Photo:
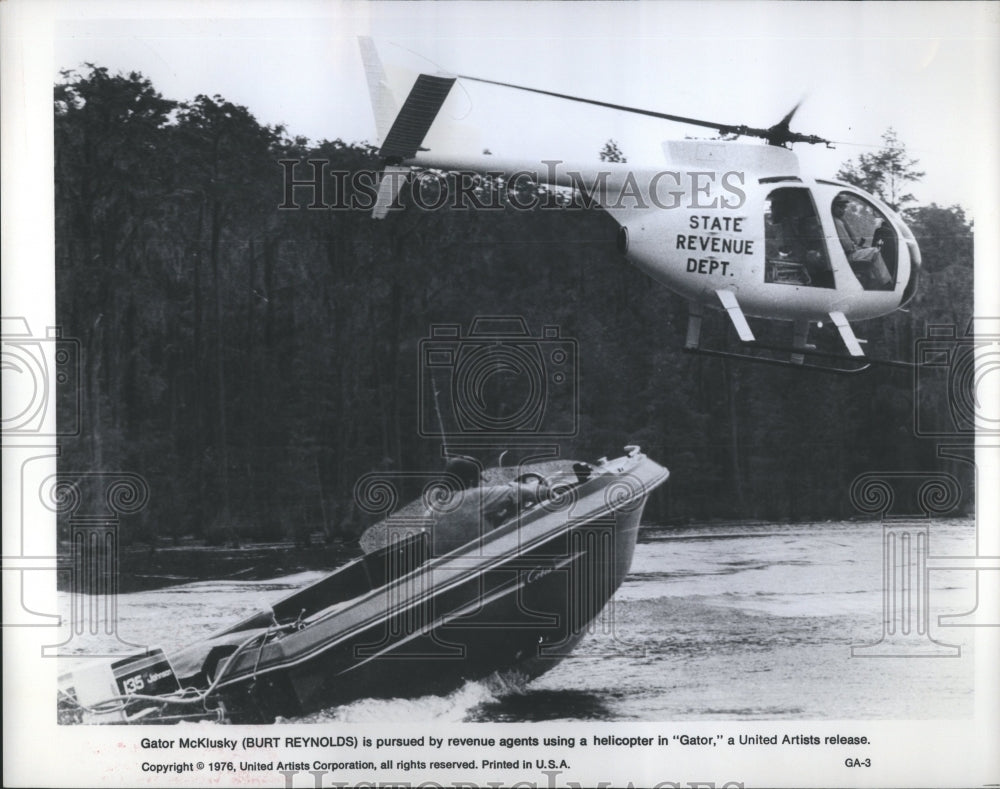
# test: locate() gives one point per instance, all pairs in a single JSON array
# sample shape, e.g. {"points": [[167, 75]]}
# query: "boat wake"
{"points": [[455, 707]]}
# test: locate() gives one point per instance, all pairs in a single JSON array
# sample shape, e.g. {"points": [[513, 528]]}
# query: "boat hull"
{"points": [[518, 619], [399, 622]]}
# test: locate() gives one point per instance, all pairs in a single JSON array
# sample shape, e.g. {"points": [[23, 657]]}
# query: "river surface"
{"points": [[752, 622]]}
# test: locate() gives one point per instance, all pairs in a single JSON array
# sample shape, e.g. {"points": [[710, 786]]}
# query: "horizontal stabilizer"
{"points": [[847, 334], [728, 299], [415, 118]]}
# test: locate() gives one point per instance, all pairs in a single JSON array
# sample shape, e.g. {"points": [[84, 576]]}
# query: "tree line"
{"points": [[253, 362]]}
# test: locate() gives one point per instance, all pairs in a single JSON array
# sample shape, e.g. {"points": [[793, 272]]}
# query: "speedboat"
{"points": [[399, 621]]}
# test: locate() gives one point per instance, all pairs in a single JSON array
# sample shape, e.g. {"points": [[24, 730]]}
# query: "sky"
{"points": [[930, 71]]}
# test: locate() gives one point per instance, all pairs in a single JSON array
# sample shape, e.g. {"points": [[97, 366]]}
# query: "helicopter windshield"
{"points": [[868, 240], [793, 238]]}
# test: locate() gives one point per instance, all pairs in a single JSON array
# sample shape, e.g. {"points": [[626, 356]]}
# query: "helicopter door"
{"points": [[868, 239], [793, 240]]}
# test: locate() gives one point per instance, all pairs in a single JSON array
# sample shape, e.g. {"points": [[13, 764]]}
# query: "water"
{"points": [[714, 622]]}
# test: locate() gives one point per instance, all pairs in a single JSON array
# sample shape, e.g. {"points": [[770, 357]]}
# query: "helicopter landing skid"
{"points": [[798, 363], [797, 355], [799, 358]]}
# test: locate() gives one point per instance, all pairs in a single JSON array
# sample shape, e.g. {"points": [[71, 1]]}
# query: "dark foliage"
{"points": [[252, 363]]}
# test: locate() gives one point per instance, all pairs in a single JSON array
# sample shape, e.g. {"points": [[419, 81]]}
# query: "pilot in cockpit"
{"points": [[866, 261]]}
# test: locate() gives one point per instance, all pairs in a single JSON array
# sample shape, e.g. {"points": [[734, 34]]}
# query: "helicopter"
{"points": [[755, 236]]}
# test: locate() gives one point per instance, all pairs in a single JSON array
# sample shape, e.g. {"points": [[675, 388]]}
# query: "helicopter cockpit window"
{"points": [[868, 240], [793, 239]]}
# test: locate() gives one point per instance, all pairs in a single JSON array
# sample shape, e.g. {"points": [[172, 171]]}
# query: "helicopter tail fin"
{"points": [[401, 130], [384, 104]]}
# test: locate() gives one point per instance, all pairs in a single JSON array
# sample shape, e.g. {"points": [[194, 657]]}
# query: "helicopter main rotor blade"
{"points": [[785, 122], [776, 135], [596, 103]]}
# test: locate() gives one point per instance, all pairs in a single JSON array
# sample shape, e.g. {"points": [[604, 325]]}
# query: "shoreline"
{"points": [[147, 568]]}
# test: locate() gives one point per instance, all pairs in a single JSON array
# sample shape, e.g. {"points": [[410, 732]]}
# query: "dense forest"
{"points": [[251, 362]]}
